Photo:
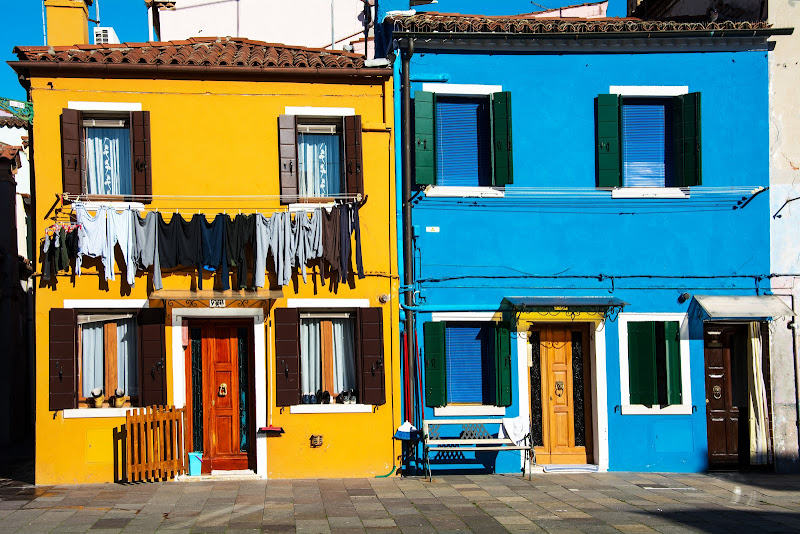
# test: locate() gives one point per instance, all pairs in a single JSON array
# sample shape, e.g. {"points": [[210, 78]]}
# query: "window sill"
{"points": [[461, 411], [94, 413], [331, 408], [436, 191], [650, 192], [92, 205], [640, 409]]}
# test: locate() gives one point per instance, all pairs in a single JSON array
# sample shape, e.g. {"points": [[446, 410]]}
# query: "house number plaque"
{"points": [[216, 303]]}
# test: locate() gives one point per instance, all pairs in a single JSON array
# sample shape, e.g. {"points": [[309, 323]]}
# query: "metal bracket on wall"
{"points": [[20, 110]]}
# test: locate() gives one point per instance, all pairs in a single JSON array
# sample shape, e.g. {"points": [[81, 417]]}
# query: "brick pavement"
{"points": [[563, 503]]}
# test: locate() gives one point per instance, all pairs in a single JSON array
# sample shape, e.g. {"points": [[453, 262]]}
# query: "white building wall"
{"points": [[785, 238], [13, 136], [300, 22]]}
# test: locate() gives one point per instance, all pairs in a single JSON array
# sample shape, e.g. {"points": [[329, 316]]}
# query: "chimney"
{"points": [[67, 22]]}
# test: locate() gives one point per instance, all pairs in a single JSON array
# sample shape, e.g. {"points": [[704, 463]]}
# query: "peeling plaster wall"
{"points": [[784, 66]]}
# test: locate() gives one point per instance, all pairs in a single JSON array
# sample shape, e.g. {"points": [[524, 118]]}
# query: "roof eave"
{"points": [[233, 72], [718, 34]]}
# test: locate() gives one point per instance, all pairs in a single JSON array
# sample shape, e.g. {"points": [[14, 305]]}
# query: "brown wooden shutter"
{"points": [[287, 356], [152, 357], [63, 358], [370, 348], [72, 150], [353, 155], [287, 146], [140, 155]]}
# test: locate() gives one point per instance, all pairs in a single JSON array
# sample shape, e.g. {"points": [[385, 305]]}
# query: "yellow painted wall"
{"points": [[67, 22], [221, 138]]}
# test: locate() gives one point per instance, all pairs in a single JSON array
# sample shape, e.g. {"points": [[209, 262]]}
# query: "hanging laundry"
{"points": [[263, 245], [47, 257], [282, 247], [330, 243], [146, 231], [306, 239], [241, 231], [125, 236], [214, 249], [96, 238], [349, 223], [179, 242]]}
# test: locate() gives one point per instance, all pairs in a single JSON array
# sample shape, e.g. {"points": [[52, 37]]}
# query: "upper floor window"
{"points": [[320, 157], [106, 153], [462, 139], [467, 363], [648, 141]]}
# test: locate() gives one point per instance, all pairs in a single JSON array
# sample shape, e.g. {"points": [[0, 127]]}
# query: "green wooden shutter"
{"points": [[435, 374], [609, 159], [672, 339], [503, 165], [424, 138], [686, 135], [502, 366], [642, 362]]}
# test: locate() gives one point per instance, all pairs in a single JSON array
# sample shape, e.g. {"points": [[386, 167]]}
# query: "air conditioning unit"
{"points": [[105, 35]]}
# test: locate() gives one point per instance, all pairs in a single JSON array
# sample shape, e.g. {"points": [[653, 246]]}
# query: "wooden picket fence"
{"points": [[156, 443]]}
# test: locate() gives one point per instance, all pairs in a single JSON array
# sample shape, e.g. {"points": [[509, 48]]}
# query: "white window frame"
{"points": [[685, 408], [652, 91], [333, 305], [102, 306], [103, 107], [449, 191], [466, 410]]}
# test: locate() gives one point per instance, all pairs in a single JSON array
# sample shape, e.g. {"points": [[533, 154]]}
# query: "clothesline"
{"points": [[150, 240], [298, 198]]}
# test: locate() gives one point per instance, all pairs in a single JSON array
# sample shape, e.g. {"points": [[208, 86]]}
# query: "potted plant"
{"points": [[119, 398]]}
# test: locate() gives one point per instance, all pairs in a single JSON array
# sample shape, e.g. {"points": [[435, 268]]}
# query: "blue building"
{"points": [[586, 235]]}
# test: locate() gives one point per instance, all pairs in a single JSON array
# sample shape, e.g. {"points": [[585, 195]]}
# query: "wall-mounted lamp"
{"points": [[683, 297]]}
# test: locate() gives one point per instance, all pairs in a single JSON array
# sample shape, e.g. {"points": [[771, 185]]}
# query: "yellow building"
{"points": [[298, 378]]}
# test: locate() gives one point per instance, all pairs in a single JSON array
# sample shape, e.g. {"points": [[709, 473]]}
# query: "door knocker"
{"points": [[559, 388], [717, 392], [223, 389]]}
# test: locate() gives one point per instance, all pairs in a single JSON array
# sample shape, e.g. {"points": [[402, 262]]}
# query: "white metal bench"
{"points": [[473, 436]]}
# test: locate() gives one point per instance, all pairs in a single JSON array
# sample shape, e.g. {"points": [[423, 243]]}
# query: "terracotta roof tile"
{"points": [[430, 22], [197, 51], [8, 151], [13, 122]]}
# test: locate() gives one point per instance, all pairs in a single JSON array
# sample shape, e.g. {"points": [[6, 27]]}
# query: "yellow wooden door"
{"points": [[561, 349]]}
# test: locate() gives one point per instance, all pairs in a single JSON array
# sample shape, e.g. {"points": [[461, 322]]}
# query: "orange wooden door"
{"points": [[562, 352], [221, 399]]}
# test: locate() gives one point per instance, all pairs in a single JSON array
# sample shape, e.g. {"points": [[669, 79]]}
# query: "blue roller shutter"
{"points": [[463, 141], [647, 143], [469, 347]]}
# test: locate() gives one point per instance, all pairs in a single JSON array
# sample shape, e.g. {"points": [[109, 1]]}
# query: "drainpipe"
{"points": [[408, 243]]}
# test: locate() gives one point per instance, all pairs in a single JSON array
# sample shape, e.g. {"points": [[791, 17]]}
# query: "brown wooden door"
{"points": [[563, 377], [726, 395], [223, 435]]}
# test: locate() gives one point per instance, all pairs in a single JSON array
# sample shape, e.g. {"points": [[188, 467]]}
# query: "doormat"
{"points": [[570, 468]]}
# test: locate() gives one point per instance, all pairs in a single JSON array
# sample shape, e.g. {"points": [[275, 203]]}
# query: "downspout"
{"points": [[408, 244]]}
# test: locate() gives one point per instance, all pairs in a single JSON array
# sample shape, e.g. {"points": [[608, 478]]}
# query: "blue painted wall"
{"points": [[487, 249]]}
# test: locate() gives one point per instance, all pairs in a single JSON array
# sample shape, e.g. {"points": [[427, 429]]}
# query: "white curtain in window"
{"points": [[320, 162], [310, 359], [92, 357], [127, 376], [344, 365], [759, 433], [108, 161]]}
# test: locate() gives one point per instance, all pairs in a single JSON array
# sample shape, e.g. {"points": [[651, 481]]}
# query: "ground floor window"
{"points": [[327, 358], [467, 363], [108, 356]]}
